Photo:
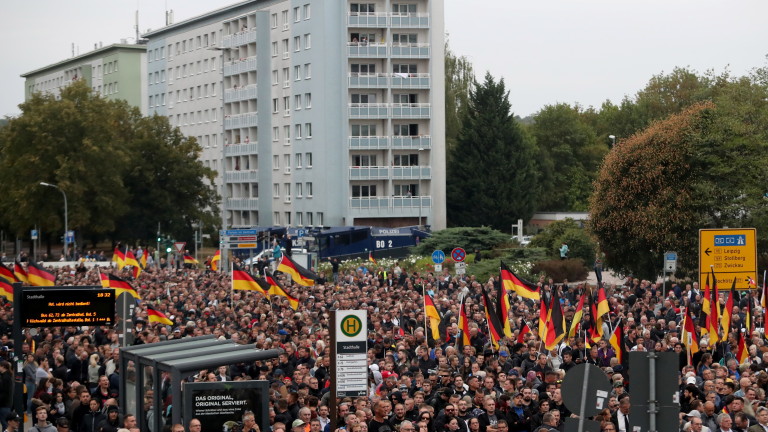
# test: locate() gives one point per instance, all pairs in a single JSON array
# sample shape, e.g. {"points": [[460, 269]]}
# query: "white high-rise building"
{"points": [[313, 112]]}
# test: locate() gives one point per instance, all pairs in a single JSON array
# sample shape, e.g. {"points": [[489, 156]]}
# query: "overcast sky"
{"points": [[548, 51]]}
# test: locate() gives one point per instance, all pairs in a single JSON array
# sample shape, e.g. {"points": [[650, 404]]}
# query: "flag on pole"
{"points": [[275, 289], [506, 287], [557, 320], [689, 336], [577, 316], [299, 274], [39, 276], [515, 284], [6, 289], [543, 319], [727, 314], [495, 330], [595, 332], [119, 257], [216, 260], [120, 286], [155, 316], [143, 259], [242, 281], [371, 258], [19, 272], [464, 323], [7, 274], [742, 351], [130, 260], [189, 259], [434, 316], [705, 309], [617, 342], [763, 301], [523, 331], [714, 316], [602, 308]]}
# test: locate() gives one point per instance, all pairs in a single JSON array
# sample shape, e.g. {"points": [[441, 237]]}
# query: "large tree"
{"points": [[106, 158], [570, 157], [491, 172], [459, 77]]}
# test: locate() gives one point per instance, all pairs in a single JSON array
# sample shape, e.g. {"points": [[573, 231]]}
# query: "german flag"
{"points": [[216, 260], [7, 274], [241, 280], [299, 274], [130, 260], [706, 309], [689, 336], [763, 299], [515, 284], [602, 308], [38, 276], [595, 332], [155, 316], [143, 259], [434, 316], [371, 258], [742, 351], [189, 259], [495, 329], [120, 286], [617, 342], [556, 322], [506, 287], [6, 289], [19, 272], [714, 316], [464, 323], [275, 289], [543, 318], [726, 316], [577, 316], [523, 331], [119, 257]]}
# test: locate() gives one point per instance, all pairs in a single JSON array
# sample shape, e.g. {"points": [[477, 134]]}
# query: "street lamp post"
{"points": [[66, 220], [613, 140]]}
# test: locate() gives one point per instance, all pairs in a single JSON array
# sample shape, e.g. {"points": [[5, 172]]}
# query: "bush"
{"points": [[580, 244], [469, 238], [559, 270]]}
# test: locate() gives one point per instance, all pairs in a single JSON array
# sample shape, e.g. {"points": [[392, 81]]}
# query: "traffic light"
{"points": [[168, 249], [159, 239]]}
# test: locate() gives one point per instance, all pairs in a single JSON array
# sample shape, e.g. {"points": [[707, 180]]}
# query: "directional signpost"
{"points": [[240, 238], [731, 252]]}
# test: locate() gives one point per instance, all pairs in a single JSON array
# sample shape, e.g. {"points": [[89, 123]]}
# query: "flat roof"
{"points": [[221, 11], [100, 52]]}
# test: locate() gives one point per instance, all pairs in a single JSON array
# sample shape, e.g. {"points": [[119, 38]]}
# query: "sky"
{"points": [[547, 51]]}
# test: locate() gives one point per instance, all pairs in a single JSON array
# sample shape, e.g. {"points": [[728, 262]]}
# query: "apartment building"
{"points": [[313, 112], [115, 71]]}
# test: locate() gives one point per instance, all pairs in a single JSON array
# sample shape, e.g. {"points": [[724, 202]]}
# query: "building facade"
{"points": [[314, 113], [115, 71]]}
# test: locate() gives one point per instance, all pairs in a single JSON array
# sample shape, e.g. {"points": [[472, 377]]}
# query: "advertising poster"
{"points": [[220, 405]]}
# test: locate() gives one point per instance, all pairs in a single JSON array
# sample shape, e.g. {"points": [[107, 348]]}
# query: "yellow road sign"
{"points": [[732, 253]]}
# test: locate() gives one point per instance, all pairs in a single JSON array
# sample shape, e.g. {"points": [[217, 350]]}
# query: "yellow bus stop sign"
{"points": [[732, 253]]}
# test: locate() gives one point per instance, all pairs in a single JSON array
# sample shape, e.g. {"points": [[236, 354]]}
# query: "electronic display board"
{"points": [[65, 306]]}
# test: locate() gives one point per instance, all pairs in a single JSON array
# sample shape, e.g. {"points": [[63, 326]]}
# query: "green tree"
{"points": [[570, 157], [77, 141], [580, 244], [168, 183], [491, 179], [459, 78]]}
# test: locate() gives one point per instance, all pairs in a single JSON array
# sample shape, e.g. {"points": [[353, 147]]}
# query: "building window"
{"points": [[308, 160], [307, 41], [299, 220], [308, 130], [309, 189], [274, 106], [404, 68], [276, 162], [298, 190], [274, 49], [297, 135], [277, 218], [307, 11], [363, 69], [275, 133], [288, 214], [274, 20], [297, 102], [362, 8], [287, 133], [406, 160], [307, 71], [275, 190], [297, 43], [308, 100], [406, 129], [296, 14], [364, 160], [403, 9], [297, 158], [297, 73], [406, 190], [309, 218], [363, 191], [363, 130], [404, 38]]}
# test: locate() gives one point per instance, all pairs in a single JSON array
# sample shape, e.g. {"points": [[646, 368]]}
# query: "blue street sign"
{"points": [[438, 257], [301, 233], [671, 256], [33, 234], [70, 236]]}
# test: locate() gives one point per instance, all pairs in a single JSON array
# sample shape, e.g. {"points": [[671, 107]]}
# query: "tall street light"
{"points": [[66, 220], [613, 140]]}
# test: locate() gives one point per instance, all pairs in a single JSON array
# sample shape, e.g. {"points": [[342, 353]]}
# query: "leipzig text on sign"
{"points": [[731, 252], [351, 353], [64, 306]]}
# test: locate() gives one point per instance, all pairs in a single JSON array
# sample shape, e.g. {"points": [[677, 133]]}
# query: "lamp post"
{"points": [[66, 220], [613, 140]]}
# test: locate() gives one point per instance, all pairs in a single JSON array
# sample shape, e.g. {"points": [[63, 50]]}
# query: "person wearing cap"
{"points": [[12, 421]]}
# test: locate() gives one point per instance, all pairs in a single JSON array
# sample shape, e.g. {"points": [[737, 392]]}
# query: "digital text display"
{"points": [[63, 306]]}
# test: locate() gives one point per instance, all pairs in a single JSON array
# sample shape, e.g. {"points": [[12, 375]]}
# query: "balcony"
{"points": [[412, 142], [238, 121], [241, 149], [411, 81], [248, 176], [368, 19], [240, 66], [411, 50], [392, 206], [370, 203], [242, 203], [411, 172], [239, 38], [368, 142], [411, 110], [366, 49], [369, 173], [240, 94], [409, 20], [357, 80], [365, 111]]}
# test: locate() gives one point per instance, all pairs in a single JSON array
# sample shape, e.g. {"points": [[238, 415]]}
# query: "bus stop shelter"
{"points": [[141, 367]]}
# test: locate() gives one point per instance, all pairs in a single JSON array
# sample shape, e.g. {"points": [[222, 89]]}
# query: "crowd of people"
{"points": [[71, 374]]}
